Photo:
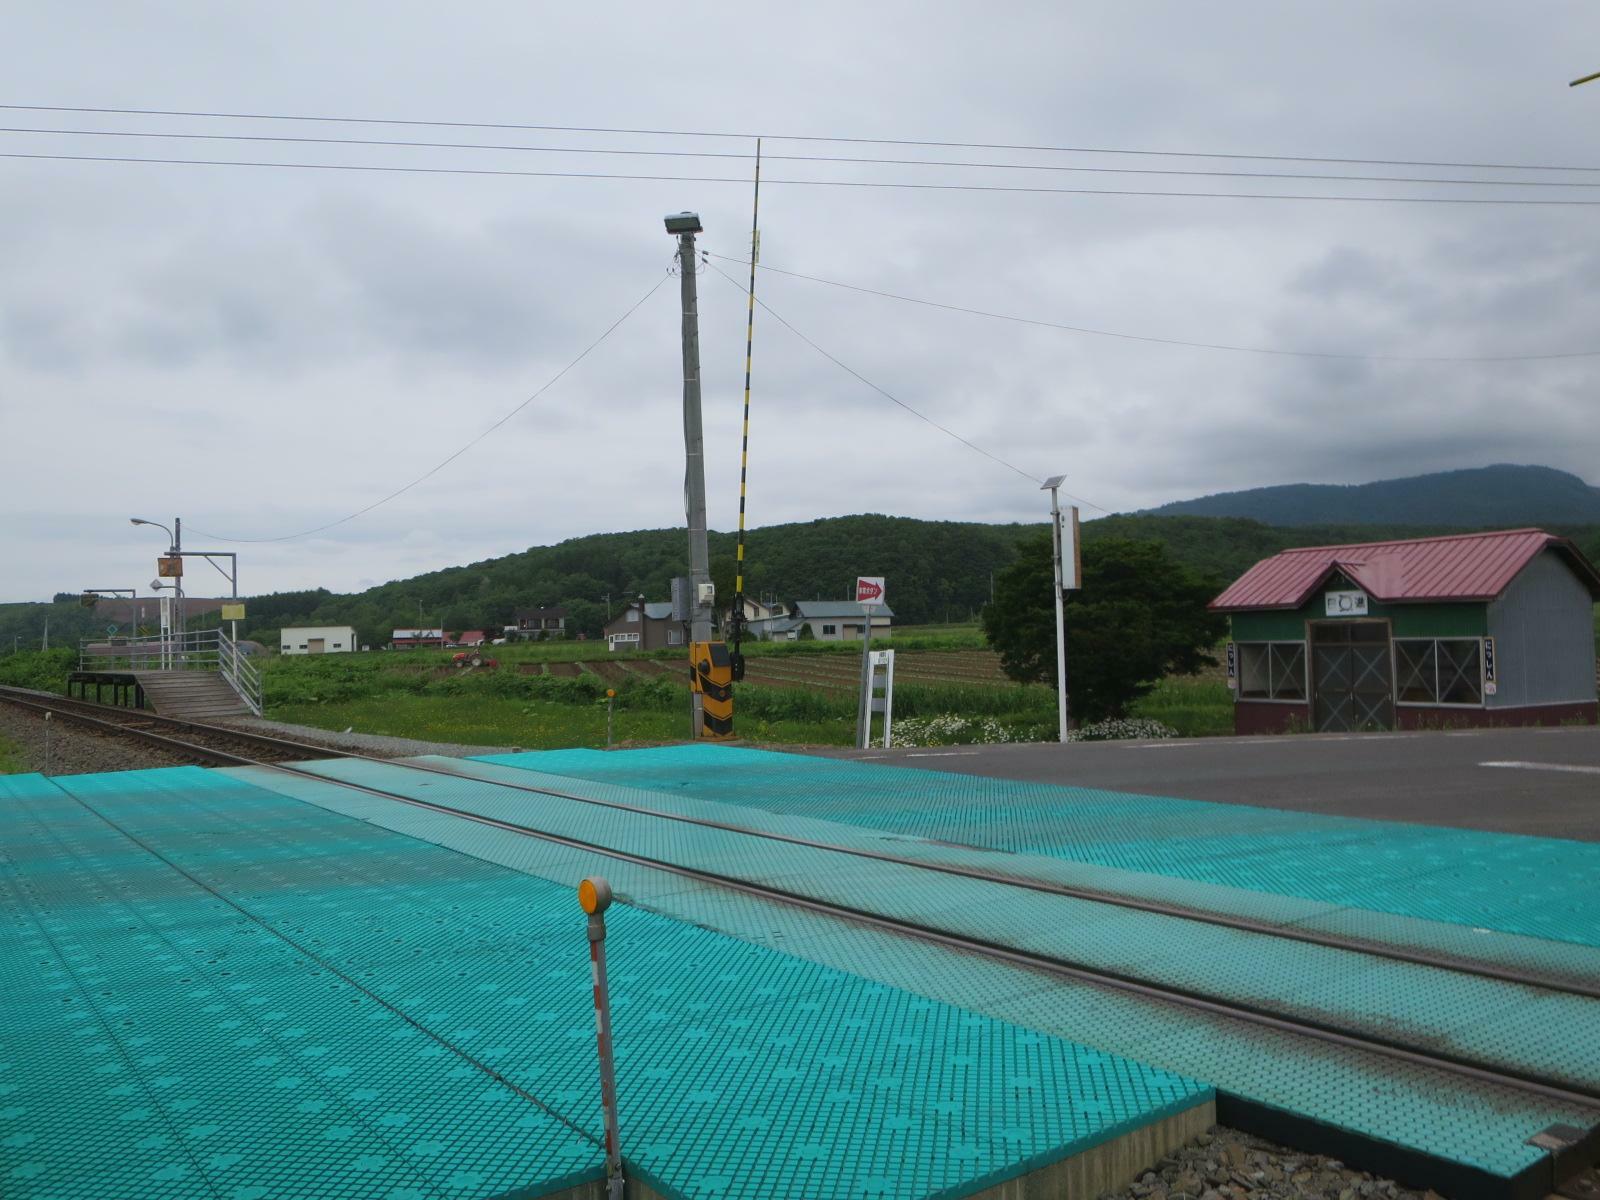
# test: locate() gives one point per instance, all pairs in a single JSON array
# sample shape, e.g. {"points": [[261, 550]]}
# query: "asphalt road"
{"points": [[1535, 781]]}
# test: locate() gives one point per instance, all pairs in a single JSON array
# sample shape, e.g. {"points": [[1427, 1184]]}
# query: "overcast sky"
{"points": [[261, 351]]}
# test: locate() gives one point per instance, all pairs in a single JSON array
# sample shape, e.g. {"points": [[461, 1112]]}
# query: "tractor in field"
{"points": [[473, 660]]}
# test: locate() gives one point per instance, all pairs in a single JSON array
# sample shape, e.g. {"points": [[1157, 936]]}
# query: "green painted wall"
{"points": [[1408, 620]]}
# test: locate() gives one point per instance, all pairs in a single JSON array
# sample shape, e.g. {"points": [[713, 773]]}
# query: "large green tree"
{"points": [[1139, 616]]}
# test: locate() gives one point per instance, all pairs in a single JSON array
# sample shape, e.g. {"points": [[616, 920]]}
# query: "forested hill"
{"points": [[1502, 495], [936, 570]]}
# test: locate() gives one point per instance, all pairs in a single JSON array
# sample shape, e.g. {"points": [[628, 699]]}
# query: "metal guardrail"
{"points": [[193, 650]]}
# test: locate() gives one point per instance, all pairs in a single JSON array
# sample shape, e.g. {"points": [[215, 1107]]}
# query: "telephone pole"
{"points": [[684, 226]]}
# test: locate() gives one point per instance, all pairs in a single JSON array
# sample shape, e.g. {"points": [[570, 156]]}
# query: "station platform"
{"points": [[251, 985]]}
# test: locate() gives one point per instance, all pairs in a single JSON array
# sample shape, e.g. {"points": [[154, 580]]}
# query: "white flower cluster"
{"points": [[947, 729], [1120, 728]]}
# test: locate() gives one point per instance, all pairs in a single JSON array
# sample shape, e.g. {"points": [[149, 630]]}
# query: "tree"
{"points": [[1140, 615]]}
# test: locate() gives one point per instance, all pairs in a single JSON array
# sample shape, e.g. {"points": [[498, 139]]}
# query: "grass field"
{"points": [[552, 694], [1194, 707], [11, 761]]}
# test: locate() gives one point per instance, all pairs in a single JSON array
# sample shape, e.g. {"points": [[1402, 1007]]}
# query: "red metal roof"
{"points": [[1466, 567]]}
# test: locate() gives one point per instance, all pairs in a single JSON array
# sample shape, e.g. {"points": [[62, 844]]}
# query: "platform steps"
{"points": [[191, 695]]}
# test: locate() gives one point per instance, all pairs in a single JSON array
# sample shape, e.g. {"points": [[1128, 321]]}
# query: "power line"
{"points": [[403, 143], [887, 395], [550, 383], [1138, 337], [751, 135], [835, 183]]}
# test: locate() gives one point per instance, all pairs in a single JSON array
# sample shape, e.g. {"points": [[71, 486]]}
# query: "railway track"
{"points": [[214, 745], [207, 743], [1530, 1082]]}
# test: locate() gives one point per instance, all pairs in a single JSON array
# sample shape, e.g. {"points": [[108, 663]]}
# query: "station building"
{"points": [[1475, 629]]}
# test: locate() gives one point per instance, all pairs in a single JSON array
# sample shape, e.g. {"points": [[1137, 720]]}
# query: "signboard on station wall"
{"points": [[1491, 683], [869, 589], [1345, 604], [169, 566]]}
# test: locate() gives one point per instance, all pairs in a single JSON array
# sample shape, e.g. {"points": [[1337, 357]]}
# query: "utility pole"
{"points": [[710, 664], [177, 583]]}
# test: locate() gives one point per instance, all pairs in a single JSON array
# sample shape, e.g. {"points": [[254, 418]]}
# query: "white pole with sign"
{"points": [[1068, 575], [869, 594]]}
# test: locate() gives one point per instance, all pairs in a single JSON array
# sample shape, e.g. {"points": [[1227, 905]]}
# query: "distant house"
{"points": [[840, 620], [754, 611], [317, 639], [644, 626], [782, 627], [536, 623], [472, 637], [412, 639]]}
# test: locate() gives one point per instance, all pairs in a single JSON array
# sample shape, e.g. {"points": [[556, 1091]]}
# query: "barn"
{"points": [[1474, 629]]}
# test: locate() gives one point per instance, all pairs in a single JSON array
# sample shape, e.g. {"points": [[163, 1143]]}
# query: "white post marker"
{"points": [[1068, 574], [594, 896], [47, 717], [869, 594]]}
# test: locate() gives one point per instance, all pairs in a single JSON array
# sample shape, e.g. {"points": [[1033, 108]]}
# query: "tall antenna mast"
{"points": [[744, 445]]}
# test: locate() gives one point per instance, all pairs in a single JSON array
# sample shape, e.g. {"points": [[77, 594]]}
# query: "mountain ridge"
{"points": [[1502, 494]]}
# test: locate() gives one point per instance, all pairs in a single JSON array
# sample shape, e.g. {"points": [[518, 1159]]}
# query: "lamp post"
{"points": [[175, 542]]}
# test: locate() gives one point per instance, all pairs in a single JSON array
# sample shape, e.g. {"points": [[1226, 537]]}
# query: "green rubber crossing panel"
{"points": [[1489, 1022], [1411, 1108], [1562, 963], [1534, 887], [294, 1003]]}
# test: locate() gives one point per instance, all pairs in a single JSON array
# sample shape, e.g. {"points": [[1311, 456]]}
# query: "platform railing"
{"points": [[192, 650]]}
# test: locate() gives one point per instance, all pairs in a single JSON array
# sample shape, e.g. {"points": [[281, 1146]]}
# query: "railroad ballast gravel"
{"points": [[75, 750], [1224, 1164]]}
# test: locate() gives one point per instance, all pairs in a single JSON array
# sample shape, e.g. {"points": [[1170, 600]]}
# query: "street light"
{"points": [[157, 524], [175, 541]]}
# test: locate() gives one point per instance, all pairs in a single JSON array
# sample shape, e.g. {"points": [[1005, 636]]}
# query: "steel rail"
{"points": [[89, 714], [1584, 1098], [1442, 961]]}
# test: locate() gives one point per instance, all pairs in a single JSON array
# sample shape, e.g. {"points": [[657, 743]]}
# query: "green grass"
{"points": [[11, 760], [540, 725], [1194, 707]]}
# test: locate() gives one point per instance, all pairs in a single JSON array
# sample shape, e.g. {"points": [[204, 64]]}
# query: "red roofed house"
{"points": [[1475, 629]]}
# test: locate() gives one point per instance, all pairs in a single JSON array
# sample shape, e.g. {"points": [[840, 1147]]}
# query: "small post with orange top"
{"points": [[611, 701], [594, 895]]}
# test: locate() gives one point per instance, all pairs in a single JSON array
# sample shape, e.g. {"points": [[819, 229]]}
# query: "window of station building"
{"points": [[1272, 671], [1438, 670]]}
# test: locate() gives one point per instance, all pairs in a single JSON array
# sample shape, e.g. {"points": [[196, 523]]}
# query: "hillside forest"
{"points": [[937, 572]]}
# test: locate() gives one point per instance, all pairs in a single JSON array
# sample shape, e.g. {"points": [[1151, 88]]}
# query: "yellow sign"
{"points": [[169, 566], [233, 612]]}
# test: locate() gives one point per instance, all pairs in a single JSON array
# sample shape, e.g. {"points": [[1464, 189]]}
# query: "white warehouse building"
{"points": [[318, 639]]}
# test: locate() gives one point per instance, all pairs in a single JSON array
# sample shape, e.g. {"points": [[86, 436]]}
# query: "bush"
{"points": [[1120, 728], [41, 670], [948, 729]]}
